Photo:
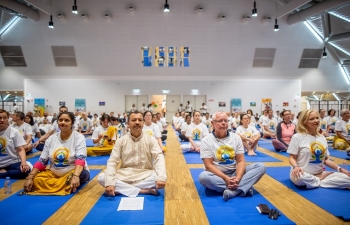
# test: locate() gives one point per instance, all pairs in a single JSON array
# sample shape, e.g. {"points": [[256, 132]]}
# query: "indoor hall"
{"points": [[113, 54]]}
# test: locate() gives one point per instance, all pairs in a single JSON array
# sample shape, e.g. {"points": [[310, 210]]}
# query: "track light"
{"points": [[75, 7], [324, 54], [254, 10], [166, 6], [51, 22], [276, 26]]}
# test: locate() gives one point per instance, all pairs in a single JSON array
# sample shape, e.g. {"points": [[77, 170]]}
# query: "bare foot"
{"points": [[3, 171], [151, 191], [325, 174], [251, 153]]}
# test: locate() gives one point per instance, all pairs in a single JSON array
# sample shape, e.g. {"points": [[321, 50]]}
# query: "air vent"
{"points": [[64, 56], [13, 56], [310, 58], [264, 57]]}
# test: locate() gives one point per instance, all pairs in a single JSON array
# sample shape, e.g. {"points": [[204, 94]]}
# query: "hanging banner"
{"points": [[39, 106], [80, 105], [236, 105]]}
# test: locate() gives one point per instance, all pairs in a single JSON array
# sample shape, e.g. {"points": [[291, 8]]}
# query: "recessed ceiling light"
{"points": [[194, 91], [136, 90], [166, 91]]}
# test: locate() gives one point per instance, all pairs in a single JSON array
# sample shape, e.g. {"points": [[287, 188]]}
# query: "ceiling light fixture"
{"points": [[254, 10], [166, 6], [276, 27], [51, 22], [324, 54], [136, 90], [75, 7], [316, 97], [194, 91], [6, 97], [165, 91]]}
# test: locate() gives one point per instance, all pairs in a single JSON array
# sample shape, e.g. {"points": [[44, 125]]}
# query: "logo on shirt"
{"points": [[317, 151], [333, 122], [3, 145], [84, 126], [323, 125], [247, 134], [149, 132], [348, 128], [225, 154], [272, 125], [61, 155], [196, 133]]}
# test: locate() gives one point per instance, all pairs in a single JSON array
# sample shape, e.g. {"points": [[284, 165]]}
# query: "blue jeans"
{"points": [[252, 175], [14, 172]]}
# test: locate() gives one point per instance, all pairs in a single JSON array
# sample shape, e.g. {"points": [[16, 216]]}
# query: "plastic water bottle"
{"points": [[7, 186]]}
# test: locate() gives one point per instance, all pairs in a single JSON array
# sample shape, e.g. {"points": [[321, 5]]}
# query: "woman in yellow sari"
{"points": [[66, 151]]}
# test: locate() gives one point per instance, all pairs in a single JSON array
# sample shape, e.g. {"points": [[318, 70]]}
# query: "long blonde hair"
{"points": [[304, 116]]}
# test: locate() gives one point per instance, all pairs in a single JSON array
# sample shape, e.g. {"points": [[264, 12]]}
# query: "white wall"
{"points": [[113, 92]]}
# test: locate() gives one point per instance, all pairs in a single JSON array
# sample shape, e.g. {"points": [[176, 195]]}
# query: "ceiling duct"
{"points": [[21, 8], [311, 11]]}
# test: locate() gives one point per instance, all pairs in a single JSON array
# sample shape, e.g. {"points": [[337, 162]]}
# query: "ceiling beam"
{"points": [[290, 7], [44, 6], [339, 36]]}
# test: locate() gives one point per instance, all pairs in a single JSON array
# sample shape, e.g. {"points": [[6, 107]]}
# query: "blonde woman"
{"points": [[308, 151]]}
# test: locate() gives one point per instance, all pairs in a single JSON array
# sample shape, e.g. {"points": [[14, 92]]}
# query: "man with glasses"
{"points": [[223, 155]]}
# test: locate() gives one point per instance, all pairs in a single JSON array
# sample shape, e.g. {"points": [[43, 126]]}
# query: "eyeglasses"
{"points": [[221, 121]]}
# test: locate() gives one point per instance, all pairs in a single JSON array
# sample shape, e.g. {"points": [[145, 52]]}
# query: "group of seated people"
{"points": [[142, 162]]}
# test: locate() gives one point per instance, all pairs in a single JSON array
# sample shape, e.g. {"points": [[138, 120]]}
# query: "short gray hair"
{"points": [[342, 112], [218, 112]]}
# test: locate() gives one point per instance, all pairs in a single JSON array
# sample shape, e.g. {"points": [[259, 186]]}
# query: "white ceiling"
{"points": [[219, 49]]}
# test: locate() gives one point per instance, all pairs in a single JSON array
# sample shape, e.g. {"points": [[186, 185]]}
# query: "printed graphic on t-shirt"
{"points": [[333, 122], [272, 126], [247, 134], [3, 145], [149, 132], [61, 155], [225, 154], [84, 126], [196, 133], [323, 125], [348, 128], [317, 151]]}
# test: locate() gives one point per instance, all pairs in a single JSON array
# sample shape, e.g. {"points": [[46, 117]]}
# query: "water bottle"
{"points": [[7, 186]]}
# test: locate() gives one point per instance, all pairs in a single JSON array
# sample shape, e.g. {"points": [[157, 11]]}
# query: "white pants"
{"points": [[189, 147], [334, 180], [130, 190]]}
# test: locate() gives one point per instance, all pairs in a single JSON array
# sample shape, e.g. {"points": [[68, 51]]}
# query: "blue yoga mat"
{"points": [[105, 211], [34, 159], [338, 153], [193, 158], [335, 201], [89, 143], [269, 146], [239, 210], [38, 208], [97, 160]]}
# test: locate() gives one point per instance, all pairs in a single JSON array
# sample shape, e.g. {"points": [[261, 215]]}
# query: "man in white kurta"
{"points": [[142, 169]]}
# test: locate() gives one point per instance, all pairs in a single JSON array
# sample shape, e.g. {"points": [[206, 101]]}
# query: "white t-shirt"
{"points": [[152, 130], [189, 108], [261, 118], [323, 123], [184, 127], [55, 127], [49, 118], [343, 127], [143, 109], [101, 130], [235, 121], [204, 109], [10, 139], [180, 109], [247, 132], [206, 122], [45, 127], [180, 121], [37, 120], [197, 132], [270, 123], [331, 121], [311, 152], [62, 154], [163, 121], [35, 129], [15, 108], [85, 124], [159, 124], [25, 129], [223, 151]]}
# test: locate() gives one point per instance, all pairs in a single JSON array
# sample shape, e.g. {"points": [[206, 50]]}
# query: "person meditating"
{"points": [[223, 155], [12, 154], [342, 128], [66, 151], [249, 135], [308, 151], [285, 131], [142, 166]]}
